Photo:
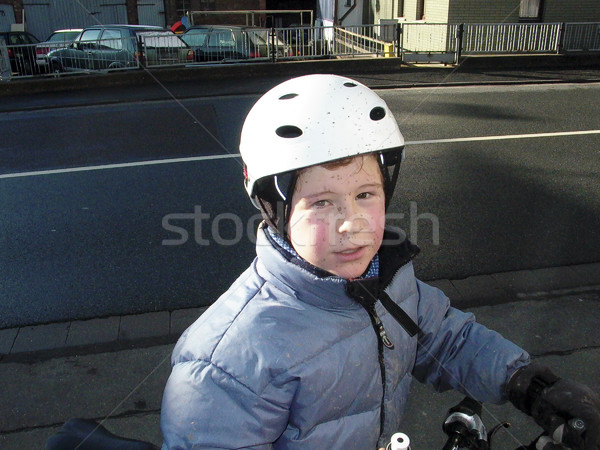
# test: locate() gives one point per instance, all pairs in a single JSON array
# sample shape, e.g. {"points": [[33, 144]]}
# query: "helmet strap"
{"points": [[390, 161], [275, 201]]}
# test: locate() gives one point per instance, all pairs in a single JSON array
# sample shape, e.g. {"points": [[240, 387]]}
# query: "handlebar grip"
{"points": [[467, 406], [464, 426]]}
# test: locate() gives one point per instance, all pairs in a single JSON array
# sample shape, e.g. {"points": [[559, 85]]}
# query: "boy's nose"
{"points": [[351, 223], [347, 226]]}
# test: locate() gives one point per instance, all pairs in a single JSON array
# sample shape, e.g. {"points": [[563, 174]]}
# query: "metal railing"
{"points": [[516, 38], [17, 60], [412, 42], [427, 42], [306, 42], [356, 41], [232, 44], [147, 49], [581, 37]]}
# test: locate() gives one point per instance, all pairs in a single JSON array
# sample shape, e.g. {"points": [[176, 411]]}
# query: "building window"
{"points": [[530, 11], [420, 10]]}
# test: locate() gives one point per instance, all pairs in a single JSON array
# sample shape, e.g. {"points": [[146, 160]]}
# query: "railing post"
{"points": [[459, 41], [5, 70], [561, 38], [400, 41], [273, 48]]}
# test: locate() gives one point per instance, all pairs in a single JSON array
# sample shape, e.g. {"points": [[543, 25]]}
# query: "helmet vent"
{"points": [[349, 84], [288, 96], [288, 131], [377, 113]]}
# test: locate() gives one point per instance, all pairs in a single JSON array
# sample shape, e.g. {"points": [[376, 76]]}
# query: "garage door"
{"points": [[42, 17], [151, 12], [7, 17]]}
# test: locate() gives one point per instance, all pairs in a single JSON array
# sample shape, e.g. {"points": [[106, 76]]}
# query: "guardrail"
{"points": [[516, 38], [147, 49], [411, 42], [581, 37], [17, 60], [306, 42], [427, 42], [364, 40]]}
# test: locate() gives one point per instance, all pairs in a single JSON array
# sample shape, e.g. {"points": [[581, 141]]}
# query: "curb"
{"points": [[507, 287], [249, 70], [115, 333]]}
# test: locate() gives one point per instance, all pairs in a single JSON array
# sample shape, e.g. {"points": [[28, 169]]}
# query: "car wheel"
{"points": [[115, 65], [56, 67]]}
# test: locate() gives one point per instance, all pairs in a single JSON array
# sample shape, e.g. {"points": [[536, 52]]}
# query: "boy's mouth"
{"points": [[351, 254]]}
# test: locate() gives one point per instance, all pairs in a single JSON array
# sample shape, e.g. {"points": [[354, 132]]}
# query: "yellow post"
{"points": [[388, 50]]}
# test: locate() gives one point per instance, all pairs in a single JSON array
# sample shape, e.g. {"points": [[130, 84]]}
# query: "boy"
{"points": [[316, 343]]}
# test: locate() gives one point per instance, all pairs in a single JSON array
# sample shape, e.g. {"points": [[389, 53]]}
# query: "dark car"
{"points": [[121, 46], [21, 51], [223, 42]]}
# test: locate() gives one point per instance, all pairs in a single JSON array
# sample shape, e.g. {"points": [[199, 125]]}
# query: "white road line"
{"points": [[119, 166], [237, 155], [497, 138]]}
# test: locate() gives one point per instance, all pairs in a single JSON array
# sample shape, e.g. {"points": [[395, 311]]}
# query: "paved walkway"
{"points": [[164, 327]]}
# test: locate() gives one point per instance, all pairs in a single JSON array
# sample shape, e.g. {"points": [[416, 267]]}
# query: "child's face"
{"points": [[338, 216]]}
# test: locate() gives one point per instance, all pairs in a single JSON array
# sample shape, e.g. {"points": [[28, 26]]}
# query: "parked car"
{"points": [[121, 46], [21, 51], [58, 39], [223, 42]]}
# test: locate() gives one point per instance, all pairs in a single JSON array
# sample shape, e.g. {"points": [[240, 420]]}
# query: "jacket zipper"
{"points": [[382, 340]]}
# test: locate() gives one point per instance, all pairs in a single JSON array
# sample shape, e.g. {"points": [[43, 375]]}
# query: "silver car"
{"points": [[58, 39], [107, 47]]}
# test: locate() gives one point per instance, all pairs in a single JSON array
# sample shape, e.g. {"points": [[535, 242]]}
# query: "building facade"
{"points": [[41, 18], [477, 11]]}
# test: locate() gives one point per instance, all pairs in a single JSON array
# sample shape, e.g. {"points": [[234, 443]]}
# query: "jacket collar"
{"points": [[320, 288]]}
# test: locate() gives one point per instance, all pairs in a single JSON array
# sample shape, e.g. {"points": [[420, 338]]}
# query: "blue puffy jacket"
{"points": [[286, 359]]}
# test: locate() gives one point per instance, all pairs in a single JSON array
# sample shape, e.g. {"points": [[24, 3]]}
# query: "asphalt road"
{"points": [[134, 236]]}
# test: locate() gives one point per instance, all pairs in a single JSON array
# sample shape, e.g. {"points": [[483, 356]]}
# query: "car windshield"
{"points": [[262, 37], [222, 38], [161, 39], [21, 38], [196, 37], [66, 36]]}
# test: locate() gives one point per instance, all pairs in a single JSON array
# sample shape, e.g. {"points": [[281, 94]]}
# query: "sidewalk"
{"points": [[116, 367], [254, 79]]}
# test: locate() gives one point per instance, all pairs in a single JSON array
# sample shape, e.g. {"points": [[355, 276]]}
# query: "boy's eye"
{"points": [[364, 195], [320, 203]]}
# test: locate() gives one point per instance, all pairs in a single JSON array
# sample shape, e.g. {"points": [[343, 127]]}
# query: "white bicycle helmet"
{"points": [[310, 120]]}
